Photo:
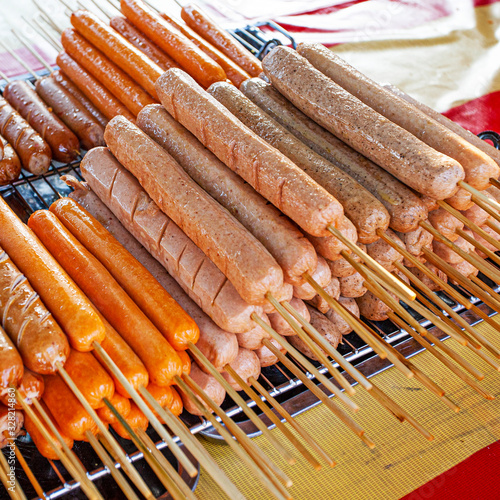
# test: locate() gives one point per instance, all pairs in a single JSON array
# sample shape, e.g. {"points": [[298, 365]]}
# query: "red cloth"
{"points": [[476, 478]]}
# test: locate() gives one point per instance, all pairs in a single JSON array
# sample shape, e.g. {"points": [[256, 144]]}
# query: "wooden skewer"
{"points": [[493, 226], [115, 473], [32, 50], [283, 310], [17, 490], [386, 276], [47, 17], [479, 246], [19, 60], [351, 424], [106, 14], [14, 494], [40, 29], [115, 6], [162, 475], [481, 284], [475, 192], [273, 418], [267, 466], [203, 361], [486, 208]]}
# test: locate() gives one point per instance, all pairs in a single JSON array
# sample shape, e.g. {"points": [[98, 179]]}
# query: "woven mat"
{"points": [[402, 460]]}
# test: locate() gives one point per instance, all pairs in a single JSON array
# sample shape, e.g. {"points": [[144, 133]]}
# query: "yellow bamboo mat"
{"points": [[402, 460]]}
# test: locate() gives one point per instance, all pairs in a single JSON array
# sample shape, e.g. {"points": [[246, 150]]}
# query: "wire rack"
{"points": [[31, 192]]}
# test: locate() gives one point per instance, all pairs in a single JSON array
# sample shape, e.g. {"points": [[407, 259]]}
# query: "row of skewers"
{"points": [[243, 267]]}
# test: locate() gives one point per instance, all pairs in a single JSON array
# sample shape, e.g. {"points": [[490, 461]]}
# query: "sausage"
{"points": [[382, 141], [196, 273], [198, 21], [30, 388], [373, 308], [162, 395], [404, 207], [90, 377], [450, 256], [185, 361], [429, 203], [121, 405], [330, 248], [353, 286], [142, 42], [85, 103], [2, 144], [11, 372], [11, 424], [293, 252], [271, 174], [445, 223], [69, 306], [476, 214], [131, 60], [23, 98], [10, 165], [31, 327], [360, 206], [110, 299], [33, 151], [266, 356], [466, 269], [42, 445], [494, 191], [102, 98], [477, 165], [487, 244], [385, 254], [341, 268], [414, 241], [209, 384], [177, 406], [322, 275], [281, 325], [234, 73], [461, 200], [252, 339], [68, 109], [135, 419], [340, 324], [453, 126], [125, 358], [103, 70], [246, 365], [241, 257], [68, 412], [164, 312], [182, 50], [332, 289], [426, 280]]}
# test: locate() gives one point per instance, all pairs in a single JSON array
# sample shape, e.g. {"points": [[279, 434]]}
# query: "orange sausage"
{"points": [[176, 407], [136, 419], [121, 404], [31, 387], [102, 98], [41, 443], [68, 412], [90, 377], [164, 396], [69, 306], [131, 60], [235, 74], [11, 364], [111, 300], [103, 70], [186, 362], [221, 39], [156, 303], [184, 52]]}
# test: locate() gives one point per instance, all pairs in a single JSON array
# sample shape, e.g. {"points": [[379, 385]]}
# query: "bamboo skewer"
{"points": [[263, 463], [487, 289], [493, 226], [273, 418], [19, 60], [4, 466], [6, 482], [475, 192], [44, 33], [32, 51], [479, 246], [47, 17], [493, 213]]}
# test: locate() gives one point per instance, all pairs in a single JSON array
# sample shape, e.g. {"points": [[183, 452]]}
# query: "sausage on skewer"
{"points": [[10, 165]]}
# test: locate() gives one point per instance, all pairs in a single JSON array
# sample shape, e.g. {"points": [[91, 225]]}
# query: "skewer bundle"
{"points": [[282, 201]]}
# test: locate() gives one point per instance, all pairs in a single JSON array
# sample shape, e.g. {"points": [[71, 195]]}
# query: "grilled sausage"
{"points": [[39, 339], [341, 268], [281, 325], [31, 387], [330, 248], [11, 424], [246, 365], [266, 356], [372, 308], [450, 256], [241, 257], [197, 274], [23, 98], [478, 166], [414, 242], [404, 207], [164, 396], [384, 254], [69, 110], [445, 223], [252, 339], [322, 276], [352, 286], [360, 206], [12, 369], [121, 405], [10, 165], [466, 269], [426, 280], [135, 419], [332, 289], [487, 244], [266, 169], [33, 151], [293, 252], [177, 406], [476, 214], [340, 324], [461, 200]]}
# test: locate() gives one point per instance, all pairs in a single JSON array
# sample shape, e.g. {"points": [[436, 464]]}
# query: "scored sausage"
{"points": [[332, 289], [69, 306], [30, 387], [281, 325], [165, 313], [241, 257], [33, 151], [478, 166], [269, 172], [246, 365], [404, 207], [322, 275], [293, 252], [10, 165], [191, 268], [360, 206], [340, 324], [121, 405], [23, 98]]}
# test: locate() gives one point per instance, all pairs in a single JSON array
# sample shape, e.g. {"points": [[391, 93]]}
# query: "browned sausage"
{"points": [[476, 214], [164, 396], [372, 308], [340, 324], [281, 325], [466, 269], [426, 280], [322, 276], [450, 256], [487, 244], [384, 254], [445, 223], [341, 268], [10, 165], [332, 289], [246, 365], [414, 242], [31, 387], [352, 286], [176, 406], [461, 200], [12, 369]]}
